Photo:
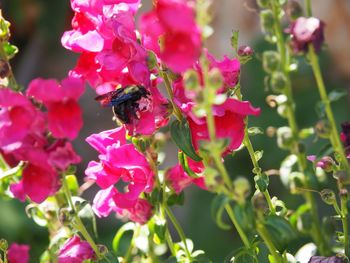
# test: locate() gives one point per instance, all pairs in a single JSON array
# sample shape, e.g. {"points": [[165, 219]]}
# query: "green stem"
{"points": [[344, 220], [266, 237], [170, 242], [308, 7], [257, 169], [179, 230], [240, 231], [335, 138], [12, 83], [78, 223], [284, 65]]}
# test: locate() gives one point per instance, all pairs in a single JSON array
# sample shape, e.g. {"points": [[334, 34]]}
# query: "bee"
{"points": [[126, 102]]}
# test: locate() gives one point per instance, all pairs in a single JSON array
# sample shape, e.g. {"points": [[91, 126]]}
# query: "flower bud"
{"points": [[328, 196], [3, 244], [343, 193], [323, 129], [259, 202], [326, 163], [191, 80], [245, 51], [293, 10], [263, 3], [267, 21], [271, 60], [241, 189], [341, 176], [278, 82], [4, 69], [215, 79], [284, 137]]}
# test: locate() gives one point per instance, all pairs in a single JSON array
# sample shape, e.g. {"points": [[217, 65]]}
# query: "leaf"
{"points": [[258, 155], [86, 214], [176, 199], [184, 164], [261, 182], [181, 135], [326, 149], [241, 255], [305, 133], [337, 94], [10, 50], [320, 109], [252, 131], [245, 216], [130, 226], [217, 209], [234, 39], [280, 231]]}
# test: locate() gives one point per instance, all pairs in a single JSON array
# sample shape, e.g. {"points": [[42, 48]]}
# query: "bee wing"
{"points": [[107, 99]]}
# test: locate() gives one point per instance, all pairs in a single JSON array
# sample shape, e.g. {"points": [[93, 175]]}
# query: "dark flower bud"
{"points": [[328, 196], [271, 60], [278, 81], [343, 193], [305, 31], [323, 129], [266, 21], [293, 10], [245, 51], [259, 202], [326, 163], [341, 176], [333, 259], [345, 136], [4, 69]]}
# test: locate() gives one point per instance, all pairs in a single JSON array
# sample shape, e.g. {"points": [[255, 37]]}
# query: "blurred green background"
{"points": [[37, 26]]}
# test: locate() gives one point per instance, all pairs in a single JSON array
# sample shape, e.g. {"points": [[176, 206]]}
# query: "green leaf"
{"points": [[245, 216], [280, 231], [217, 209], [261, 182], [184, 163], [241, 255], [160, 229], [130, 226], [86, 214], [320, 109], [337, 94], [234, 39], [181, 135], [258, 155], [252, 131], [176, 199]]}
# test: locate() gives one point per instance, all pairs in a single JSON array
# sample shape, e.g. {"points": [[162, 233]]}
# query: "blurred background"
{"points": [[37, 26]]}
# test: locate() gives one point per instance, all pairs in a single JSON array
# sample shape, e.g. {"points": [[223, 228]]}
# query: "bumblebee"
{"points": [[126, 102]]}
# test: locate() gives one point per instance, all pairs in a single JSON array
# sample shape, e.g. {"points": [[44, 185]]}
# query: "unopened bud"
{"points": [[191, 80], [271, 60], [215, 79], [245, 51], [278, 82], [267, 21], [3, 244], [293, 10], [259, 202], [284, 137], [343, 193], [341, 176], [328, 196], [326, 163], [241, 188], [323, 129], [263, 3]]}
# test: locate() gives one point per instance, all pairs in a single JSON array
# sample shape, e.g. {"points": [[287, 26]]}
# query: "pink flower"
{"points": [[61, 101], [229, 68], [75, 251], [38, 182], [18, 253], [120, 163], [18, 120], [62, 154], [306, 31], [174, 21], [141, 212], [178, 179], [229, 118]]}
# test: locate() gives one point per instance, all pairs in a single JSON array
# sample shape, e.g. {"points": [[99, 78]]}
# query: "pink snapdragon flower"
{"points": [[75, 251], [18, 253], [61, 100], [173, 21], [120, 163], [305, 31], [229, 118], [178, 179]]}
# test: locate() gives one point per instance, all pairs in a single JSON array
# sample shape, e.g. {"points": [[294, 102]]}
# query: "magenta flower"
{"points": [[18, 253], [229, 118], [229, 68], [38, 182], [18, 120], [305, 31], [120, 164], [345, 137], [141, 212], [178, 179], [61, 101], [174, 22], [75, 251], [62, 154]]}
